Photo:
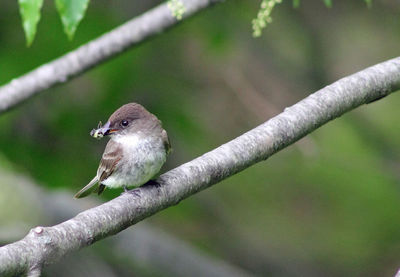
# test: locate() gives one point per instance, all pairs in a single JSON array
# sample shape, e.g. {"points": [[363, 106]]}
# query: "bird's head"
{"points": [[129, 118]]}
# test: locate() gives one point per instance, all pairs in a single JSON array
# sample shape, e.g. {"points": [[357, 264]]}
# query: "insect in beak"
{"points": [[102, 131]]}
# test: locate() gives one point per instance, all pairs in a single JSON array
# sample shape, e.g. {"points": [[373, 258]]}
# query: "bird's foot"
{"points": [[135, 192]]}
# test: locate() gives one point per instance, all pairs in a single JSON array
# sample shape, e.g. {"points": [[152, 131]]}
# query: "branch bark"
{"points": [[97, 51], [44, 245]]}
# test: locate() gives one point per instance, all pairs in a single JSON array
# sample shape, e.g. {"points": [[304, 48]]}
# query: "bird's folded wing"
{"points": [[112, 155]]}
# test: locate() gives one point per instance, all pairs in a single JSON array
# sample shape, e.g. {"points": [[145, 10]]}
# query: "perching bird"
{"points": [[135, 153]]}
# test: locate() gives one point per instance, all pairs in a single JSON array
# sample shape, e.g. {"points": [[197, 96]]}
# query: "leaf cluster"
{"points": [[264, 14], [71, 13]]}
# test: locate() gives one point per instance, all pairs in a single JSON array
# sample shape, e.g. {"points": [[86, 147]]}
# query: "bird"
{"points": [[137, 149]]}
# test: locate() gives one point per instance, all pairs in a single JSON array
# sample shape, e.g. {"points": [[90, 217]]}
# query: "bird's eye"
{"points": [[124, 123]]}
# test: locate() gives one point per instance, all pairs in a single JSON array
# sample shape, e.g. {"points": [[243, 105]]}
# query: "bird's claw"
{"points": [[135, 192]]}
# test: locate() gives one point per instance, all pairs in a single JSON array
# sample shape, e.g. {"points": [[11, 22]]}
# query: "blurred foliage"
{"points": [[326, 206], [328, 3]]}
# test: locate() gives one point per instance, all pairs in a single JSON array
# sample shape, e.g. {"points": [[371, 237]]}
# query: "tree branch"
{"points": [[143, 245], [44, 245], [99, 50]]}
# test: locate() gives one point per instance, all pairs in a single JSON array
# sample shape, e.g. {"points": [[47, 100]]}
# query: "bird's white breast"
{"points": [[143, 157]]}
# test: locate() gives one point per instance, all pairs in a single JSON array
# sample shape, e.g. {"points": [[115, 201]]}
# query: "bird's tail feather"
{"points": [[87, 189]]}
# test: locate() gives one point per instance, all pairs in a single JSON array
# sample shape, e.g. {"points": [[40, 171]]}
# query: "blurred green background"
{"points": [[326, 206]]}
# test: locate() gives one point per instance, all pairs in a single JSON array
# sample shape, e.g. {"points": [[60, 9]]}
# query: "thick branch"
{"points": [[44, 245], [99, 50], [144, 245]]}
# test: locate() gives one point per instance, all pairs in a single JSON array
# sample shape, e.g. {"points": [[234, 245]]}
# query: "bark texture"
{"points": [[99, 50], [44, 245]]}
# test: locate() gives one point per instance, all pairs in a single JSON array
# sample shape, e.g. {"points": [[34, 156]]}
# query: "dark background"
{"points": [[325, 206]]}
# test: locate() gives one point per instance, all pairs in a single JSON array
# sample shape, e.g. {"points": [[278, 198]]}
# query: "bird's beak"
{"points": [[102, 131]]}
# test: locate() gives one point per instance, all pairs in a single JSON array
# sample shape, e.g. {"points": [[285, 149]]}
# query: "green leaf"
{"points": [[30, 13], [71, 13], [369, 3], [296, 3], [328, 3]]}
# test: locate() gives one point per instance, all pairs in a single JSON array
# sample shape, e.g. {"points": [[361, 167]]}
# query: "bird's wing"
{"points": [[111, 156]]}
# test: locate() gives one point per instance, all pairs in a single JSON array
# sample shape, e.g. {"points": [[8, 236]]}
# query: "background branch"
{"points": [[44, 245], [99, 50]]}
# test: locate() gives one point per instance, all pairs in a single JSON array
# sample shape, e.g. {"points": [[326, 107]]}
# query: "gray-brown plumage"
{"points": [[135, 153]]}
